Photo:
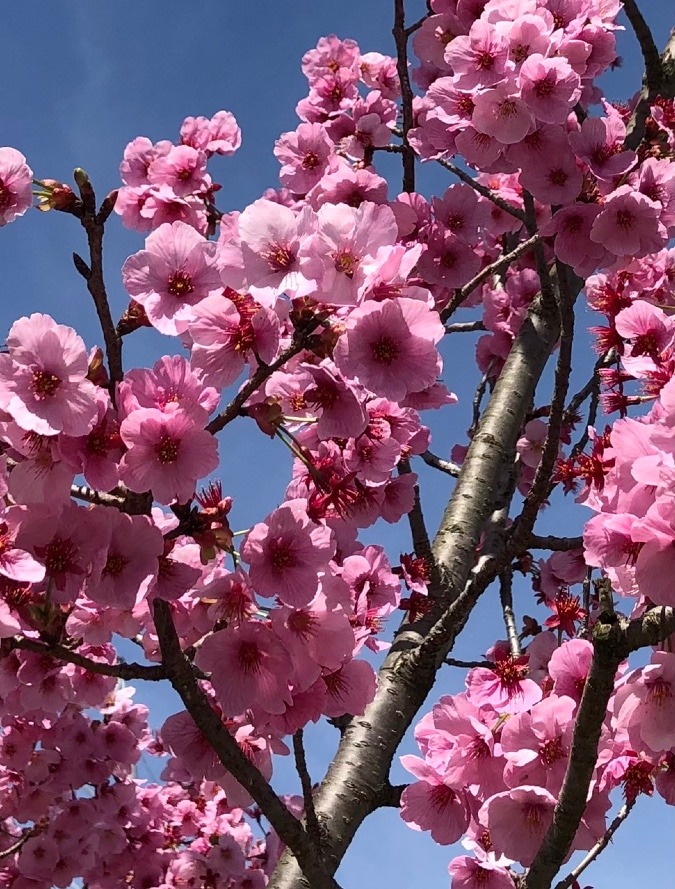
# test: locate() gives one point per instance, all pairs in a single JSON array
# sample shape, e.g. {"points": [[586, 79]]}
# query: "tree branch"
{"points": [[659, 79], [401, 40], [602, 844], [506, 599], [287, 826], [94, 225], [312, 822], [445, 466], [613, 641], [482, 189], [125, 671], [493, 269], [555, 544]]}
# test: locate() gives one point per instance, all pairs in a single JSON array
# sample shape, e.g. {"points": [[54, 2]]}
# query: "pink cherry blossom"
{"points": [[43, 378], [16, 181], [390, 347], [286, 552], [167, 454], [174, 272], [249, 668]]}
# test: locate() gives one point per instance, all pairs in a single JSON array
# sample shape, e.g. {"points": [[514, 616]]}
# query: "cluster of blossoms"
{"points": [[324, 301]]}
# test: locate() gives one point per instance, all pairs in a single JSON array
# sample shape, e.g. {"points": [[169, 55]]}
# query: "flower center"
{"points": [[6, 197], [384, 350], [345, 263], [45, 384], [625, 220], [115, 565], [282, 557], [180, 284], [249, 657], [551, 751], [167, 449], [280, 258], [310, 161]]}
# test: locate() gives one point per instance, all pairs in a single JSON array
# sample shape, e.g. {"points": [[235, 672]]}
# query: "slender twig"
{"points": [[418, 528], [312, 822], [602, 844], [493, 269], [555, 544], [482, 189], [590, 390], [94, 225], [89, 495], [11, 850], [125, 671], [506, 599], [468, 665], [401, 39], [261, 374], [478, 400], [287, 826], [465, 327], [446, 466]]}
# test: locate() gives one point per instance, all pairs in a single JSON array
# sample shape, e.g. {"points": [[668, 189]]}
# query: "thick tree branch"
{"points": [[287, 826]]}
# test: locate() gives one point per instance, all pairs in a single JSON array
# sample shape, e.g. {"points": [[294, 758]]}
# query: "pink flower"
{"points": [[16, 185], [518, 820], [390, 347], [537, 744], [448, 260], [549, 87], [225, 333], [569, 666], [628, 224], [286, 552], [349, 689], [127, 561], [139, 155], [183, 169], [470, 873], [480, 59], [506, 688], [167, 454], [599, 143], [341, 412], [573, 244], [646, 704], [219, 135], [96, 454], [43, 378], [171, 385], [500, 113], [249, 668], [305, 154], [270, 240], [175, 271], [15, 563], [344, 238], [429, 804], [461, 211], [556, 180]]}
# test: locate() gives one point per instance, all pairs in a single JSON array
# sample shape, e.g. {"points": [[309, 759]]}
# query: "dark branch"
{"points": [[555, 544], [123, 671], [287, 826], [401, 39], [312, 822]]}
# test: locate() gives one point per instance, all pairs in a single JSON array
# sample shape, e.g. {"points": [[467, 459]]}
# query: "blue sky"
{"points": [[83, 78]]}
